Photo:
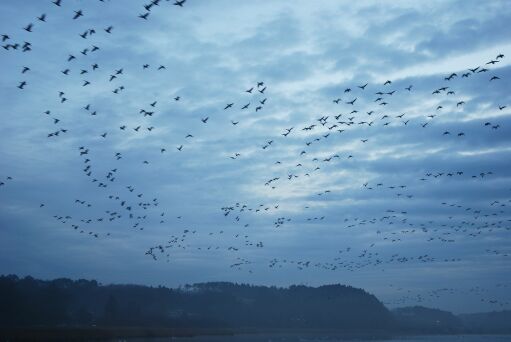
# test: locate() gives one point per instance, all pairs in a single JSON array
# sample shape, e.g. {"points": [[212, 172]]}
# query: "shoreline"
{"points": [[134, 333]]}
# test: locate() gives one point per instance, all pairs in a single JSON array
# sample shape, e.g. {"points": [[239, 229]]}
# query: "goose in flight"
{"points": [[288, 130], [78, 14], [450, 77]]}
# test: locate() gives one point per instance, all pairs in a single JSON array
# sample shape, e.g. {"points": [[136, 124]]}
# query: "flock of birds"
{"points": [[360, 111]]}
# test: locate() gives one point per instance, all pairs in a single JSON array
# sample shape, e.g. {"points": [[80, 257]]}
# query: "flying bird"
{"points": [[78, 14], [28, 28]]}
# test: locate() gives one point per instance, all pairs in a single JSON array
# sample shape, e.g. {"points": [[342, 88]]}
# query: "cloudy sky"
{"points": [[405, 192]]}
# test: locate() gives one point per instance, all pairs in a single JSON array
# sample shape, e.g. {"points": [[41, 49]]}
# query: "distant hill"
{"points": [[63, 302], [498, 322], [423, 320]]}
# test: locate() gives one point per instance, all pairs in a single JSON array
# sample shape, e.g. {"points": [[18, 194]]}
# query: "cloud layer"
{"points": [[371, 195]]}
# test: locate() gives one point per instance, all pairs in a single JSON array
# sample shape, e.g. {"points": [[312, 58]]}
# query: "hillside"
{"points": [[64, 302]]}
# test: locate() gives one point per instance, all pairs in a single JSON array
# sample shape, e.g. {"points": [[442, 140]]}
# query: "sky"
{"points": [[123, 164]]}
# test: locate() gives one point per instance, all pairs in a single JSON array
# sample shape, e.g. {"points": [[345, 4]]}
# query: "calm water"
{"points": [[333, 338]]}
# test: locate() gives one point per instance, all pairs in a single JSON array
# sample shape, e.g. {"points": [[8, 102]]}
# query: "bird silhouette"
{"points": [[78, 14]]}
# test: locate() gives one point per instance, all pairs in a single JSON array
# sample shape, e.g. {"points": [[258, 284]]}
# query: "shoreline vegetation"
{"points": [[134, 333], [103, 333], [64, 309], [106, 333]]}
